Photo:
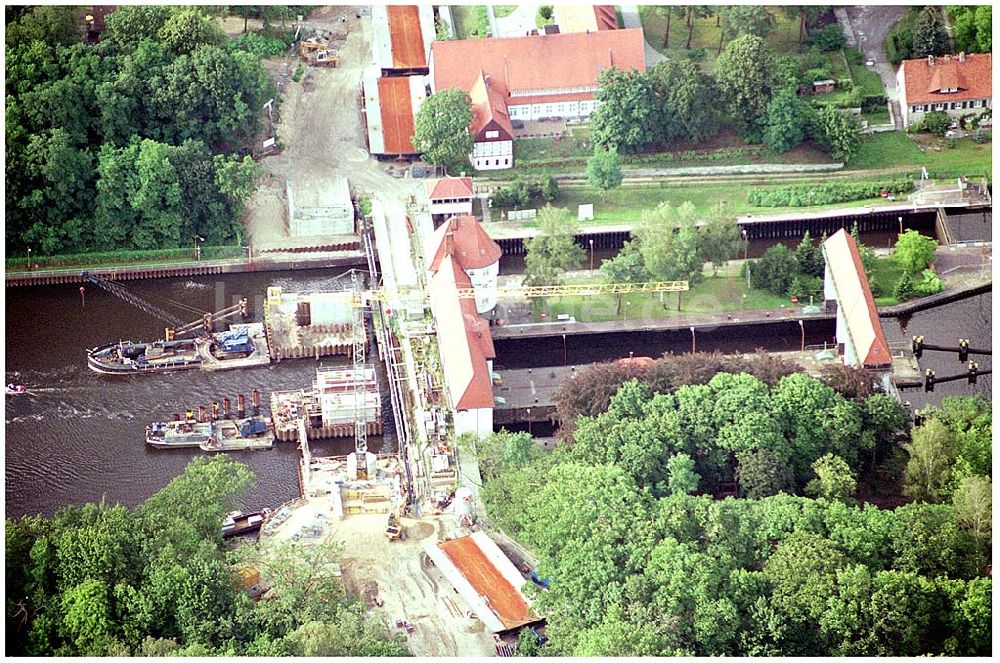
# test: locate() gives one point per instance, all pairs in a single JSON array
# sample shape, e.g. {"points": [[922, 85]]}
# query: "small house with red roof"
{"points": [[958, 85], [491, 129], [860, 337], [449, 196]]}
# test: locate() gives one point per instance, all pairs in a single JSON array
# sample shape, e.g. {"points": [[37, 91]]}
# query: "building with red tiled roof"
{"points": [[585, 18], [466, 349], [958, 85], [845, 285], [449, 196], [538, 75], [402, 35], [391, 106], [463, 239], [492, 132]]}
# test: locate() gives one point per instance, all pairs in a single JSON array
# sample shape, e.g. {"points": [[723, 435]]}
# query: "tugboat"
{"points": [[237, 523]]}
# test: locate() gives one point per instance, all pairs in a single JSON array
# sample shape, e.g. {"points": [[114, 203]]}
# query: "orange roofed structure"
{"points": [[449, 196], [859, 329], [954, 84], [486, 578], [516, 79], [402, 35]]}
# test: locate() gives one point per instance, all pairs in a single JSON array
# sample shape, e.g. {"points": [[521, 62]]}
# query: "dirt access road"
{"points": [[400, 576], [320, 127], [870, 25]]}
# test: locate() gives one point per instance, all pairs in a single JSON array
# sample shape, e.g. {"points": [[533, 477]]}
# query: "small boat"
{"points": [[16, 389], [238, 523]]}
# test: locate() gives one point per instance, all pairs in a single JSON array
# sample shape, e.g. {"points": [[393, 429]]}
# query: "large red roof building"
{"points": [[955, 84], [516, 79]]}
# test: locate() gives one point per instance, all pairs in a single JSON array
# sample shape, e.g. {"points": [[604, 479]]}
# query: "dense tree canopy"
{"points": [[640, 566], [102, 580], [624, 118], [112, 146], [554, 250]]}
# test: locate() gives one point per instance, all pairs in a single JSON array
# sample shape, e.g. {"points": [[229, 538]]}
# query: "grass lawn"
{"points": [[865, 80], [715, 293], [627, 204], [893, 149], [503, 11], [884, 277], [877, 117], [784, 38], [466, 20]]}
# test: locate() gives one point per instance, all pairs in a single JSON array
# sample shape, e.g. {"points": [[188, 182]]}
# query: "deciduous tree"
{"points": [[787, 120], [686, 102], [837, 132], [834, 479], [626, 115], [604, 172], [914, 251], [440, 131], [747, 79], [554, 250], [932, 450]]}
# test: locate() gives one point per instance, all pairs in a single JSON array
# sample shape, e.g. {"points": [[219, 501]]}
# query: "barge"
{"points": [[223, 435], [240, 346]]}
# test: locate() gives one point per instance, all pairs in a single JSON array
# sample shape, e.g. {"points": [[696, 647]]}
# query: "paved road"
{"points": [[517, 24], [870, 25], [630, 19]]}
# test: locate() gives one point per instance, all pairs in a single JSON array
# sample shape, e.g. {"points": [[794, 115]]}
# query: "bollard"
{"points": [[176, 416], [202, 417], [189, 415], [241, 406], [215, 410], [227, 408], [255, 400]]}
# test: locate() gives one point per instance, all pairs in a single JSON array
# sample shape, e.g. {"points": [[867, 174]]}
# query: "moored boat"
{"points": [[238, 523], [178, 434], [12, 389]]}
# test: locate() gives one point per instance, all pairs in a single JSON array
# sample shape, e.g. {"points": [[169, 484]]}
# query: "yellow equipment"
{"points": [[365, 298]]}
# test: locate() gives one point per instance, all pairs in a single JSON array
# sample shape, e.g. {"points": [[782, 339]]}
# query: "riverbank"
{"points": [[265, 263]]}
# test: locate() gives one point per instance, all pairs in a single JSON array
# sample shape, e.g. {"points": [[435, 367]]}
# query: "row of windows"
{"points": [[947, 105], [446, 201], [557, 90], [486, 163], [493, 148], [558, 109]]}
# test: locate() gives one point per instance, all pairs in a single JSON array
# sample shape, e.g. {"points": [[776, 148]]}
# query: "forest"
{"points": [[703, 505], [138, 141], [157, 580]]}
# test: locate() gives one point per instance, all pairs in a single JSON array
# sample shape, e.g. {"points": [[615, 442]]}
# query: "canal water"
{"points": [[80, 436]]}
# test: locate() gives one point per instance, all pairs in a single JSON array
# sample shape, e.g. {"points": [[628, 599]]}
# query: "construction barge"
{"points": [[294, 326], [240, 346], [215, 434], [338, 397]]}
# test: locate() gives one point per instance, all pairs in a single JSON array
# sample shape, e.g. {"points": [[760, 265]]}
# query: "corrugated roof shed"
{"points": [[581, 18], [401, 36], [391, 105], [486, 578], [447, 188], [855, 301]]}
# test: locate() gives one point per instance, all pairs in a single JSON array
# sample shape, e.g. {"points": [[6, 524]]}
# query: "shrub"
{"points": [[830, 38], [930, 283], [981, 136], [259, 45], [299, 72], [904, 288], [806, 195], [951, 143], [805, 287], [774, 270], [696, 54], [936, 122], [812, 75]]}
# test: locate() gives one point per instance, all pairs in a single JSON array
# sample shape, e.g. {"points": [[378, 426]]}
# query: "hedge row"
{"points": [[806, 195], [20, 263]]}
